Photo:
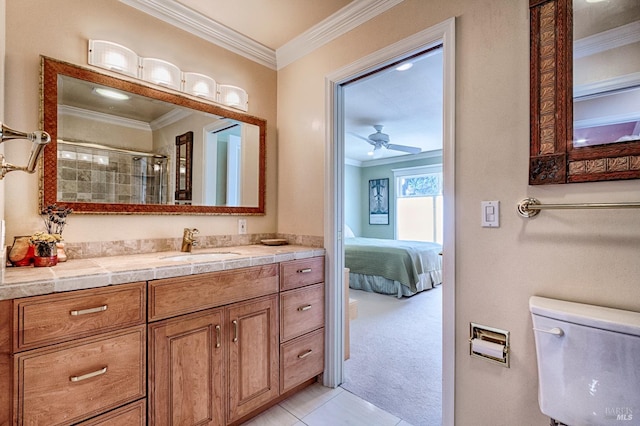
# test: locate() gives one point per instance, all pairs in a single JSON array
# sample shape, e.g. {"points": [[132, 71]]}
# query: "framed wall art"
{"points": [[379, 201]]}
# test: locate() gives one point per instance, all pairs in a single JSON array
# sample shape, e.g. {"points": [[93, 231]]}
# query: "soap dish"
{"points": [[274, 242]]}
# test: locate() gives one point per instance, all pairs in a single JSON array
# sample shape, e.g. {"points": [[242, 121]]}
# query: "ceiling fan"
{"points": [[379, 140]]}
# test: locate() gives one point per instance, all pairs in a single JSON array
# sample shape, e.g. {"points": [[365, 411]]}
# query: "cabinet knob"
{"points": [[235, 330], [304, 308], [304, 271]]}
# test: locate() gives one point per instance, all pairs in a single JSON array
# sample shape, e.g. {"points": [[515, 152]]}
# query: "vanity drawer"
{"points": [[71, 382], [182, 295], [298, 273], [55, 318], [134, 414], [301, 359], [301, 311]]}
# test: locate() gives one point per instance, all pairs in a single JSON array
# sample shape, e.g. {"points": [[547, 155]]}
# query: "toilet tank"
{"points": [[588, 362]]}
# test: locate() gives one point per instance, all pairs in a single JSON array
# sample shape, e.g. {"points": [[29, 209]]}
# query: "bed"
{"points": [[398, 267]]}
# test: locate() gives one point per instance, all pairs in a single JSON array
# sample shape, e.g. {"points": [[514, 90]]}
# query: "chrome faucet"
{"points": [[188, 239]]}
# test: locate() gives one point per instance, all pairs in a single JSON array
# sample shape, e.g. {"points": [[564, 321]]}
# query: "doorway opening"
{"points": [[390, 204], [335, 195]]}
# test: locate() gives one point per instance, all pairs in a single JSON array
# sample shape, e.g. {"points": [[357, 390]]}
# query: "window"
{"points": [[419, 204]]}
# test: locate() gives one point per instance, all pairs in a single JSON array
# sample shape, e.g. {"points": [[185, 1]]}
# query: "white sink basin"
{"points": [[201, 257]]}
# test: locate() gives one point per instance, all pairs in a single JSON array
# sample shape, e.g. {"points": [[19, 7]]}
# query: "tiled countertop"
{"points": [[100, 272]]}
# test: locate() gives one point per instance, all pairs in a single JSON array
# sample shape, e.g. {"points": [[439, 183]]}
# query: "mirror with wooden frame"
{"points": [[585, 91], [123, 155]]}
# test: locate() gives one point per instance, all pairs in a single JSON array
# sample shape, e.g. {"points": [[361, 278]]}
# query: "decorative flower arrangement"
{"points": [[55, 218], [44, 243]]}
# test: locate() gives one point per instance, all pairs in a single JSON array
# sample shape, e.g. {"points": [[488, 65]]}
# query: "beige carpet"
{"points": [[396, 354]]}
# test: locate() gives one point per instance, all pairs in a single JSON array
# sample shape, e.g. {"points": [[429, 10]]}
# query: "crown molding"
{"points": [[349, 17], [346, 19], [606, 40], [605, 87], [189, 20], [70, 111]]}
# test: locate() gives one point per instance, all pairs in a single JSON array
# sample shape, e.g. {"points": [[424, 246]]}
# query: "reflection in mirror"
{"points": [[598, 63], [184, 168], [606, 72], [121, 147]]}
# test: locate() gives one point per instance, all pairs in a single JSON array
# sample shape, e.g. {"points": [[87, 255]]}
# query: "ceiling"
{"points": [[408, 104], [272, 23]]}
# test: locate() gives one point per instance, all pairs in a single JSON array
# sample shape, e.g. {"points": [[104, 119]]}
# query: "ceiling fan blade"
{"points": [[361, 137], [404, 148]]}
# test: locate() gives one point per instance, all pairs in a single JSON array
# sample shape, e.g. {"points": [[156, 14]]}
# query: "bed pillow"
{"points": [[348, 233]]}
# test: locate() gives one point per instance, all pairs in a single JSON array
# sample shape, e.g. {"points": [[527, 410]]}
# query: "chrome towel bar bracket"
{"points": [[530, 207]]}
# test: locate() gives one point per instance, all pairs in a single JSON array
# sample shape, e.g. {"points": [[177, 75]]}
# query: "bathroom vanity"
{"points": [[161, 339]]}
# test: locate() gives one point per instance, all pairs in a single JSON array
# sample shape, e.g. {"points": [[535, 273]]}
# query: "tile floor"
{"points": [[317, 405]]}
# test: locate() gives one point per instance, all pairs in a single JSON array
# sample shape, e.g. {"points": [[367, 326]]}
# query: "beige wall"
{"points": [[61, 29], [585, 256], [2, 99]]}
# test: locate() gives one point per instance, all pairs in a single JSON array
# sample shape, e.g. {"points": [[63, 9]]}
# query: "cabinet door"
{"points": [[253, 355], [186, 370]]}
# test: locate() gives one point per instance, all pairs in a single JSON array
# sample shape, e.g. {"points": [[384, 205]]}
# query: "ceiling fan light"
{"points": [[404, 67]]}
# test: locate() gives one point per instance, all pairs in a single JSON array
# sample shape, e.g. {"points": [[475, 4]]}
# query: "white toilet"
{"points": [[588, 362]]}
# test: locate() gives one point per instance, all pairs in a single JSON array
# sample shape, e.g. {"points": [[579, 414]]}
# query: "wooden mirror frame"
{"points": [[51, 68], [553, 158]]}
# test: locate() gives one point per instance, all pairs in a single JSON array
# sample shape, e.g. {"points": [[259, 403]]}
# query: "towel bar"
{"points": [[530, 207]]}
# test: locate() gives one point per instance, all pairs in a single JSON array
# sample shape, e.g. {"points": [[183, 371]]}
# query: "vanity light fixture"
{"points": [[200, 85], [161, 72], [114, 57], [117, 58], [233, 96]]}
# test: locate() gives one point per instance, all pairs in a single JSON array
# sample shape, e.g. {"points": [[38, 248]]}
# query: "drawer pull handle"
{"points": [[217, 336], [306, 354], [89, 311], [100, 372], [304, 308], [235, 330], [304, 271]]}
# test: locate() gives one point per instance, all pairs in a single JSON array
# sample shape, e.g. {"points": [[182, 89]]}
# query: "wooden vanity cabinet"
{"points": [[79, 355], [253, 355], [186, 370], [214, 366], [210, 349], [301, 321]]}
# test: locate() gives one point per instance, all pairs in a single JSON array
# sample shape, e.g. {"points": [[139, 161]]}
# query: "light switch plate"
{"points": [[490, 214], [242, 226]]}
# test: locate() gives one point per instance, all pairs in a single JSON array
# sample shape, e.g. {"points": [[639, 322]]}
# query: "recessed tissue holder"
{"points": [[489, 343]]}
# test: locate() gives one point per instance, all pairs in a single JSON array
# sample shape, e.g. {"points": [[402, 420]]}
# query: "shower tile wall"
{"points": [[104, 176]]}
